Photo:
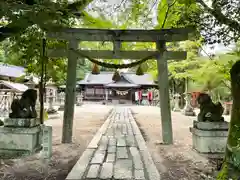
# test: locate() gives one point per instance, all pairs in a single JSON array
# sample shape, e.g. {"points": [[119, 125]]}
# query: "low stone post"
{"points": [[50, 102], [51, 109], [46, 141], [79, 99], [188, 109], [106, 95], [62, 101], [5, 99], [176, 103]]}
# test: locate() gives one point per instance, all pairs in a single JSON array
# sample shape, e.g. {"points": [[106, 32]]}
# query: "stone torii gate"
{"points": [[75, 35]]}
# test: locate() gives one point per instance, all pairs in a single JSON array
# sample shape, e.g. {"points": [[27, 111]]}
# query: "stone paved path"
{"points": [[117, 151]]}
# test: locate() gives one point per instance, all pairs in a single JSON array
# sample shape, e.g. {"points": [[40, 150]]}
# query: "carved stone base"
{"points": [[61, 108], [21, 122], [15, 142], [188, 112], [52, 111], [79, 104], [209, 137], [176, 109]]}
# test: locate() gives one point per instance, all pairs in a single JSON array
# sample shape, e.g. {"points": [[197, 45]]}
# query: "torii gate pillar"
{"points": [[70, 93], [163, 85]]}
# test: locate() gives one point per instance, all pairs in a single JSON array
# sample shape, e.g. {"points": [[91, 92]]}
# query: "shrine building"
{"points": [[101, 86]]}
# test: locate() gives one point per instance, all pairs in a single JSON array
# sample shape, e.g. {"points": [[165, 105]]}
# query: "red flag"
{"points": [[140, 95], [150, 95]]}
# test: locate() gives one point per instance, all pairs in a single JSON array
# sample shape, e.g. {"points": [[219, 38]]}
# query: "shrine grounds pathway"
{"points": [[117, 151]]}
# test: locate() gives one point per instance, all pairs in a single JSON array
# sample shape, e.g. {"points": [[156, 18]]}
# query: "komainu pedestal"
{"points": [[21, 133], [209, 137], [210, 132], [19, 140], [21, 122]]}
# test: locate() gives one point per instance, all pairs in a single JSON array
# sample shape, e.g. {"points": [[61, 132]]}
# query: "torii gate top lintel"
{"points": [[118, 36], [134, 35]]}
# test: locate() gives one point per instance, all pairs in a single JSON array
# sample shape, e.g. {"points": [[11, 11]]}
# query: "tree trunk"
{"points": [[41, 83], [231, 164]]}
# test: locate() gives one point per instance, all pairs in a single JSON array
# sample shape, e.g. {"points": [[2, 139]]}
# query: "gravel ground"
{"points": [[88, 119], [177, 161]]}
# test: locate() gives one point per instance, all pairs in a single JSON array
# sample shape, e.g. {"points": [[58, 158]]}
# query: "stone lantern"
{"points": [[188, 109], [176, 98]]}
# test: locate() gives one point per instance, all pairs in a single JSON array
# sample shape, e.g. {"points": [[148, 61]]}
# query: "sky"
{"points": [[217, 49]]}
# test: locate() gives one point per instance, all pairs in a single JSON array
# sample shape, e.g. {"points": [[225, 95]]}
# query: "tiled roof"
{"points": [[123, 82], [105, 78], [145, 79], [11, 71], [14, 86], [102, 78]]}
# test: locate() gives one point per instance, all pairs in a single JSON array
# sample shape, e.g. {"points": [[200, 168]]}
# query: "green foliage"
{"points": [[2, 55], [177, 13], [224, 15], [207, 75], [96, 22], [20, 79], [26, 25], [139, 71], [47, 15], [223, 173], [25, 50]]}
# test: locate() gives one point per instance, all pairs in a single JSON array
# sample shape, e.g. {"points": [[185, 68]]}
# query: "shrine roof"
{"points": [[11, 70], [16, 87], [105, 78], [122, 83]]}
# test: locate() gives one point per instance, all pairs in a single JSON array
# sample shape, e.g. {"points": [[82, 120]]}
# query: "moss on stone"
{"points": [[228, 172], [223, 174], [231, 166]]}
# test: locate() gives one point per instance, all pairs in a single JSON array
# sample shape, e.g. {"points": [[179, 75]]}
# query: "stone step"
{"points": [[117, 151]]}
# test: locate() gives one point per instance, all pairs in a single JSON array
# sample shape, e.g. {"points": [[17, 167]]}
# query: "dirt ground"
{"points": [[174, 162], [178, 161], [88, 119]]}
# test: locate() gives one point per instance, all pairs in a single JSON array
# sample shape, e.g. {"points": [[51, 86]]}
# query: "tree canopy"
{"points": [[26, 22]]}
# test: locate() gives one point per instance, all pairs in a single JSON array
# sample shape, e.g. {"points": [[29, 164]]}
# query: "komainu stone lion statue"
{"points": [[208, 110], [25, 107]]}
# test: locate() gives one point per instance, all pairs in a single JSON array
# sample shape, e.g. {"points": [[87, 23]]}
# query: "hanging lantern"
{"points": [[116, 76], [95, 69], [139, 71]]}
